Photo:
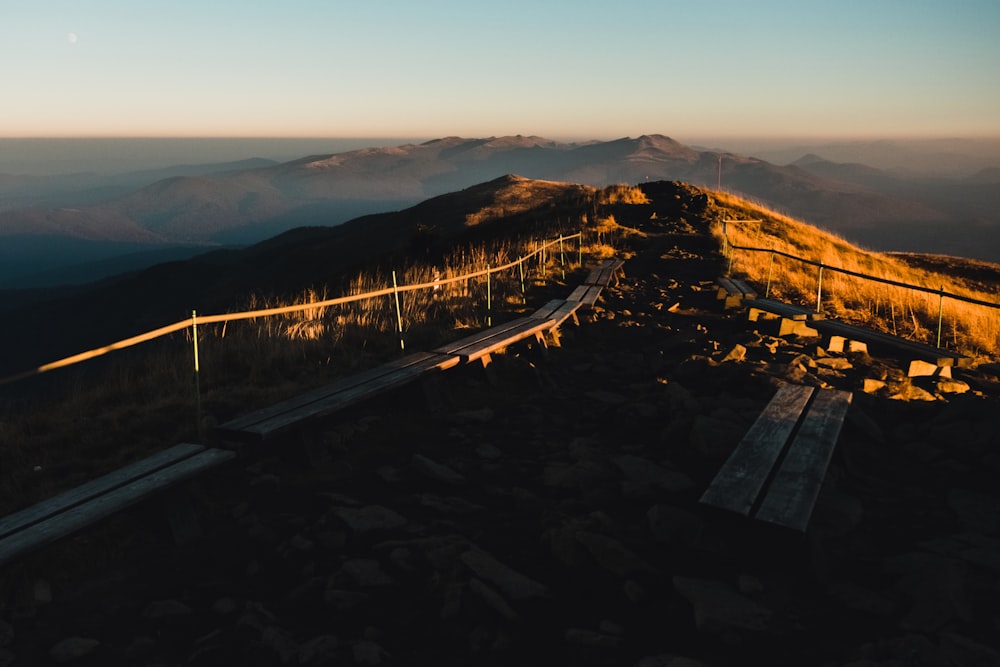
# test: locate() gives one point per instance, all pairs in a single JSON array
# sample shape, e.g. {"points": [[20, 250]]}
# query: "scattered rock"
{"points": [[73, 648], [511, 583], [436, 471], [718, 608], [370, 518]]}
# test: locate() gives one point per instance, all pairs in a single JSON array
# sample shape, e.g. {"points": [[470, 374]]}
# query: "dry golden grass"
{"points": [[970, 328]]}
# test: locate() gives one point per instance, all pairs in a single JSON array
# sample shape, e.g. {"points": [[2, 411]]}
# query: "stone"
{"points": [[436, 471], [73, 648], [480, 416], [367, 652], [976, 511], [935, 588], [644, 471], [591, 639], [949, 386], [612, 555], [580, 475], [366, 572], [320, 650], [668, 523], [715, 438], [280, 642], [513, 584], [736, 354], [956, 649], [493, 599], [6, 633], [921, 368], [449, 504], [718, 608], [370, 518], [911, 392], [160, 609], [835, 363], [861, 599], [341, 601]]}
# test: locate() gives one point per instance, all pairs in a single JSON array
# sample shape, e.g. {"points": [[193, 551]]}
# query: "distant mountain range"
{"points": [[68, 229]]}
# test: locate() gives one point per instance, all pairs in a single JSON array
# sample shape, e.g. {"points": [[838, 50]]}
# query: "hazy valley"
{"points": [[71, 228]]}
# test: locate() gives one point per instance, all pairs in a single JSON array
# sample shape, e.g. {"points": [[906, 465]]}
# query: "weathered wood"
{"points": [[475, 346], [79, 515], [271, 421], [604, 273], [739, 482], [745, 290], [791, 496], [935, 355], [549, 309], [726, 289], [789, 310], [81, 494]]}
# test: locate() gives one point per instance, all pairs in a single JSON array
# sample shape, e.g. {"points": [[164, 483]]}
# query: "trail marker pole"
{"points": [[562, 257], [770, 268], [819, 290], [197, 373], [399, 312], [581, 249], [520, 271], [489, 299], [940, 313]]}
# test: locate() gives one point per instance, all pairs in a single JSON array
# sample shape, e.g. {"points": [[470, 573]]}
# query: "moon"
{"points": [[71, 38]]}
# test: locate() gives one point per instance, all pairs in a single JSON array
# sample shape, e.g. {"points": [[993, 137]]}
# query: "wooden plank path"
{"points": [[73, 510], [776, 471]]}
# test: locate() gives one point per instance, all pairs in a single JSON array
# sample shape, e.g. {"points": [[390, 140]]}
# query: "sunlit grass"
{"points": [[969, 328]]}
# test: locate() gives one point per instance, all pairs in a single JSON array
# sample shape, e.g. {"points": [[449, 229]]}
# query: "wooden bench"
{"points": [[733, 292], [776, 471], [305, 409], [834, 330], [607, 271], [73, 510]]}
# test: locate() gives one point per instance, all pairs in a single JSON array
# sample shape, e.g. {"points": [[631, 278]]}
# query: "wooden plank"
{"points": [[566, 311], [740, 479], [792, 495], [525, 328], [249, 423], [939, 356], [747, 291], [791, 311], [726, 288], [347, 393], [590, 297], [104, 505], [578, 293], [89, 490], [474, 339], [549, 309]]}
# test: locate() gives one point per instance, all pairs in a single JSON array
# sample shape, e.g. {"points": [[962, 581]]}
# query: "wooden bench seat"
{"points": [[776, 471], [909, 348], [73, 510], [733, 292], [311, 406], [607, 271]]}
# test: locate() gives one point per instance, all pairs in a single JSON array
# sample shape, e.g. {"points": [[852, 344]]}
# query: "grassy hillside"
{"points": [[970, 328]]}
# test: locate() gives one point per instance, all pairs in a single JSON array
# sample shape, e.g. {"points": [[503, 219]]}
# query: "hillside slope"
{"points": [[553, 518]]}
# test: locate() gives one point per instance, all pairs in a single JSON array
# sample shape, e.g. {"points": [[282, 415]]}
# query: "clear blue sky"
{"points": [[577, 69]]}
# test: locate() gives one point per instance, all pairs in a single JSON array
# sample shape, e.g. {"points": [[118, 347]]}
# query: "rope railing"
{"points": [[196, 320], [729, 247]]}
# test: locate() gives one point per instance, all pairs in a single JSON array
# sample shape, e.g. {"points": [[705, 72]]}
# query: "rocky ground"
{"points": [[552, 518]]}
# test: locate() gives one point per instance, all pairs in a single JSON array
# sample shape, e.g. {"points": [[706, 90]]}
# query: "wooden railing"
{"points": [[729, 249], [395, 289]]}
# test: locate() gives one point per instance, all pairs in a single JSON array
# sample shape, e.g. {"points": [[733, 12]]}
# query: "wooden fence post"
{"points": [[489, 299], [520, 271], [562, 257]]}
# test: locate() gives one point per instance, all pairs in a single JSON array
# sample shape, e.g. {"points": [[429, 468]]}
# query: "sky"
{"points": [[565, 70]]}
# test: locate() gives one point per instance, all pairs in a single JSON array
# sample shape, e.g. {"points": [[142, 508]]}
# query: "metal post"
{"points": [[399, 312], [197, 373], [732, 256], [562, 257], [819, 290], [520, 270], [770, 268], [940, 313], [489, 299]]}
